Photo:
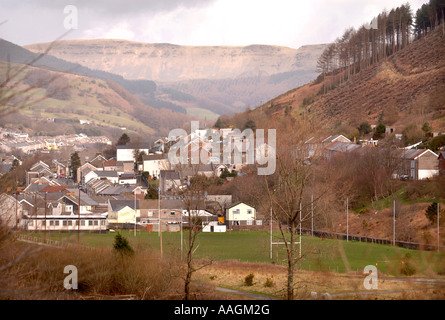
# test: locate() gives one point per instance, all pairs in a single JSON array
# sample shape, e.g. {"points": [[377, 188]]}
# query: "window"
{"points": [[172, 213], [90, 223], [150, 213], [249, 222], [82, 222], [236, 211], [96, 223], [56, 223], [249, 211], [70, 222], [65, 223], [51, 223], [30, 223]]}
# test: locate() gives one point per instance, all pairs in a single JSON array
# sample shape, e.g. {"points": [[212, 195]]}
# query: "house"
{"points": [[128, 178], [315, 146], [127, 152], [11, 211], [169, 180], [83, 170], [73, 198], [154, 163], [123, 211], [241, 214], [98, 161], [124, 167], [110, 165], [111, 176], [169, 211], [38, 170], [419, 164], [339, 147]]}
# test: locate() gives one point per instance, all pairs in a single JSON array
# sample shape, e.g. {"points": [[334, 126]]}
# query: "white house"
{"points": [[126, 152], [154, 163], [111, 176], [123, 211], [241, 214]]}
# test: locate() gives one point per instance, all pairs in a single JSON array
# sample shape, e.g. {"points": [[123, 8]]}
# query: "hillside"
{"points": [[222, 79], [68, 98], [406, 88]]}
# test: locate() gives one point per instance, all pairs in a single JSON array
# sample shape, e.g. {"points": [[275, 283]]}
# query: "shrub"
{"points": [[406, 267], [122, 245], [248, 280], [431, 212], [269, 283]]}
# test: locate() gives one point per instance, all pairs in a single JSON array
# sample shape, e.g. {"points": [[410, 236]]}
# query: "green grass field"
{"points": [[254, 246]]}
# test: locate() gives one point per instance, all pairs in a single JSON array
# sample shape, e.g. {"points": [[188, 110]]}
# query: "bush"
{"points": [[248, 280], [122, 245], [431, 212], [407, 268], [269, 283]]}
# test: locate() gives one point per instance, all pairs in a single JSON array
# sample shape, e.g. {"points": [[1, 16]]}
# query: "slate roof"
{"points": [[117, 205]]}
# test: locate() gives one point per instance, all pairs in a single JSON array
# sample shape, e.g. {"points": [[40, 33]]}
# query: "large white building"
{"points": [[126, 152]]}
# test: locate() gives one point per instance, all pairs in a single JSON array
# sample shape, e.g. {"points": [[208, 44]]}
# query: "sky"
{"points": [[290, 23]]}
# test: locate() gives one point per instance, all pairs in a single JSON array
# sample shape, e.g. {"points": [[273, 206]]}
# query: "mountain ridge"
{"points": [[285, 58]]}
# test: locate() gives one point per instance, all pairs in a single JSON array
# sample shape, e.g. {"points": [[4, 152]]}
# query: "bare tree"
{"points": [[287, 190], [193, 197]]}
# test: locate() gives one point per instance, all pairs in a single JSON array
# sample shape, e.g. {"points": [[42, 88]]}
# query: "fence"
{"points": [[343, 236], [48, 242]]}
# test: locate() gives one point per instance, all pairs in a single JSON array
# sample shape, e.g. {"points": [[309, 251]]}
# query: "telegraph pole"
{"points": [[438, 228], [45, 218], [312, 214], [135, 214], [78, 221], [394, 223], [271, 233], [347, 219]]}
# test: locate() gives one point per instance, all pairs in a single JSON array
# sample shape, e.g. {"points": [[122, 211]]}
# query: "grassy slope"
{"points": [[254, 246], [91, 99]]}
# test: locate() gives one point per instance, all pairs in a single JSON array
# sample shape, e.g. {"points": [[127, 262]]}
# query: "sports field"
{"points": [[254, 246]]}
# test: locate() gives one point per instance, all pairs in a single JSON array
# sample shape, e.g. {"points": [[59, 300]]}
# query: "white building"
{"points": [[241, 214], [154, 163], [126, 153]]}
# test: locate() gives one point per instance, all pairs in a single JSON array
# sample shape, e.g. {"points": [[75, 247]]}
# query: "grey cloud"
{"points": [[119, 7]]}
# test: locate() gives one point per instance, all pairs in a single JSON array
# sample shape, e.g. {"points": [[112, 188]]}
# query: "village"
{"points": [[141, 189]]}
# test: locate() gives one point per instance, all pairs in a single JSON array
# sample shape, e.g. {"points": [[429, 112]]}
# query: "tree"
{"points": [[379, 131], [431, 212], [286, 191], [75, 164], [123, 140], [152, 193], [426, 128], [122, 246], [364, 128], [250, 124], [193, 197]]}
